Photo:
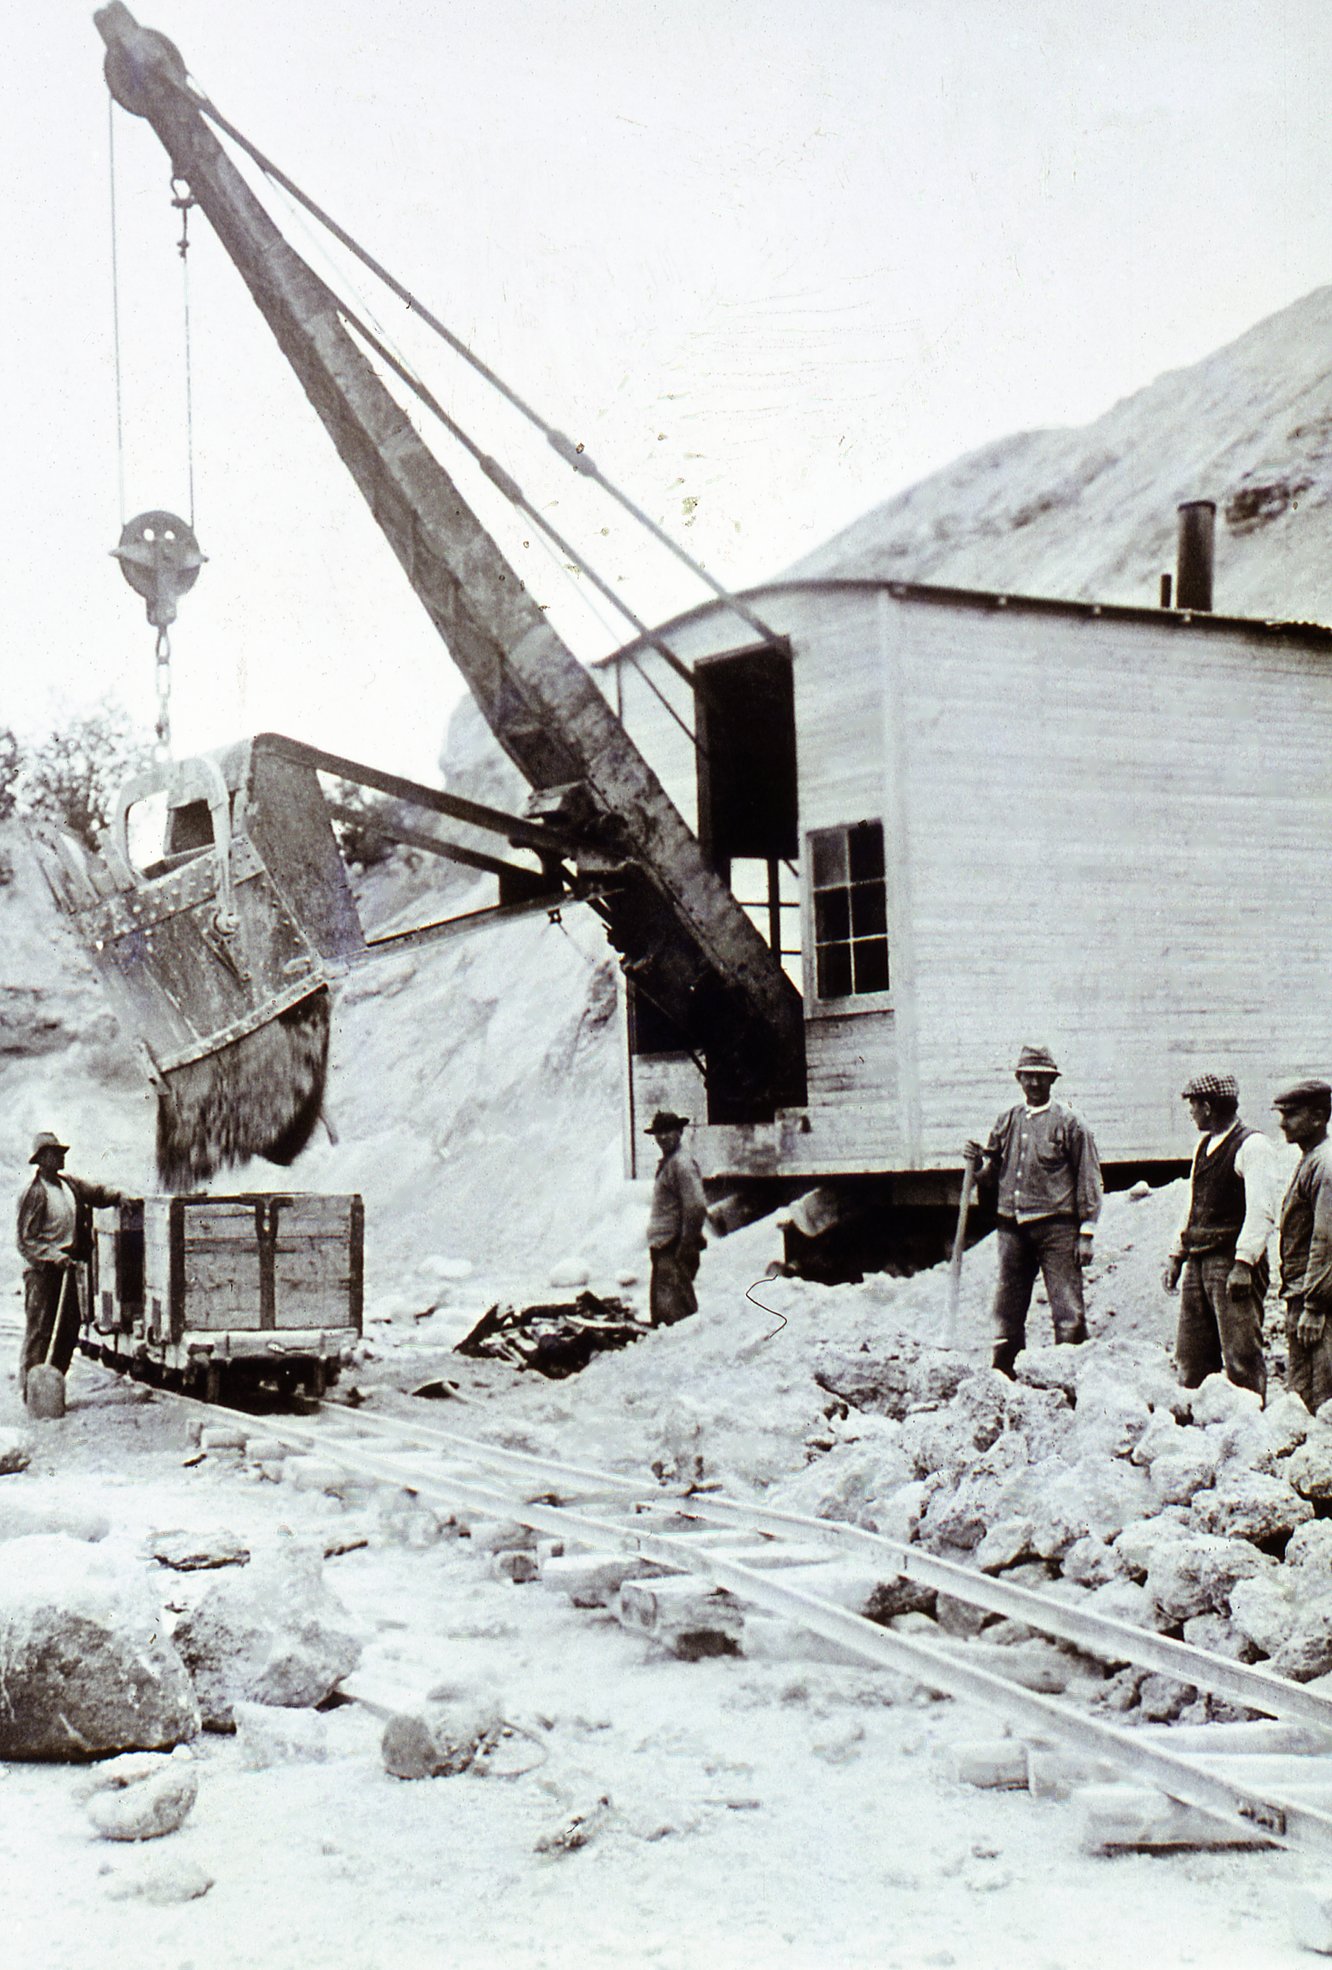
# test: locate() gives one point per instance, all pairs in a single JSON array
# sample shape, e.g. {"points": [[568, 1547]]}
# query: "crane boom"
{"points": [[679, 930]]}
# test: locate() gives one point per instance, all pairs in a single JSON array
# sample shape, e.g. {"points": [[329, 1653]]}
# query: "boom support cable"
{"points": [[573, 455], [514, 493], [115, 308]]}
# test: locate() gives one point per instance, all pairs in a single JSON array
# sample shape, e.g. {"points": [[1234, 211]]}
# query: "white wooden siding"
{"points": [[1108, 835]]}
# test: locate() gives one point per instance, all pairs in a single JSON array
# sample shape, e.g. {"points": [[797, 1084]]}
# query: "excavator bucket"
{"points": [[217, 955]]}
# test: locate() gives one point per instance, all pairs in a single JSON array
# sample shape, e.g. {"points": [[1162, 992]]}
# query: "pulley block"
{"points": [[160, 559]]}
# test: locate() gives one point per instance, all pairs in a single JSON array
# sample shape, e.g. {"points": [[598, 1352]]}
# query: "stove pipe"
{"points": [[1193, 579]]}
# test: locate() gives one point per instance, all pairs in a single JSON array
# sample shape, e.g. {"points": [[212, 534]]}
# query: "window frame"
{"points": [[848, 1004]]}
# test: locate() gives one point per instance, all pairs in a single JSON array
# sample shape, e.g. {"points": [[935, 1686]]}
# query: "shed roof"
{"points": [[1311, 635]]}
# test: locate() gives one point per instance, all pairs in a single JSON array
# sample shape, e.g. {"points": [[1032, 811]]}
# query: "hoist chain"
{"points": [[162, 738]]}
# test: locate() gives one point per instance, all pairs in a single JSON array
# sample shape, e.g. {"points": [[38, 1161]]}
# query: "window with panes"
{"points": [[850, 910]]}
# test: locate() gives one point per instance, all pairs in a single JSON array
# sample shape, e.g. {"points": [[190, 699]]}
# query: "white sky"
{"points": [[770, 261]]}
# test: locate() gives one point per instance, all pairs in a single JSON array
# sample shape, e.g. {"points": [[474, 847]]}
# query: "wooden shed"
{"points": [[973, 820]]}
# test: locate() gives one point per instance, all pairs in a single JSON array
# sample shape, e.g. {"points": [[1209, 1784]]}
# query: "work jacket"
{"points": [[34, 1248], [1306, 1232], [1043, 1164], [679, 1207]]}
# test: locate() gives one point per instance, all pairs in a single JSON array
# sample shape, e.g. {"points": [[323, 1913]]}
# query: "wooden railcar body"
{"points": [[1103, 829], [218, 1293]]}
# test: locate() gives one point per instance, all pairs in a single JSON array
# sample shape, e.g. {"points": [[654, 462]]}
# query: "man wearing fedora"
{"points": [[675, 1226], [55, 1241], [1220, 1249], [1041, 1167], [1305, 1240]]}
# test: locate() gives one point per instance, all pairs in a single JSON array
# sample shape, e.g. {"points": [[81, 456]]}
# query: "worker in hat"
{"points": [[55, 1242], [1220, 1248], [1305, 1242], [1041, 1167], [675, 1226]]}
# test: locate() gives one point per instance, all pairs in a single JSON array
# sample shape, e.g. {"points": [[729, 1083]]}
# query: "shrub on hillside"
{"points": [[11, 765], [73, 777]]}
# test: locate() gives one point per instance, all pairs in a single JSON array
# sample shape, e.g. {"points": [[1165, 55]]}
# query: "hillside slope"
{"points": [[1089, 513]]}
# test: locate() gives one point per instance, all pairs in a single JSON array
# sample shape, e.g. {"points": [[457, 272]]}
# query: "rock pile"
{"points": [[1094, 1476]]}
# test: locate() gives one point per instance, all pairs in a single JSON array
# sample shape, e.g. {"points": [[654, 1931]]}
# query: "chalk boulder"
{"points": [[142, 1796], [1309, 1468], [193, 1552], [1263, 1609], [444, 1736], [1090, 1562], [1137, 1543], [891, 1378], [85, 1669], [272, 1633], [268, 1736], [1004, 1545], [1251, 1505], [1197, 1575], [1187, 1467], [1111, 1417], [161, 1887], [1310, 1546], [1160, 1436], [1217, 1401], [1218, 1634]]}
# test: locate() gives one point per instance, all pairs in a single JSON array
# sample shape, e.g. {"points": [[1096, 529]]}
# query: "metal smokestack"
{"points": [[1197, 530]]}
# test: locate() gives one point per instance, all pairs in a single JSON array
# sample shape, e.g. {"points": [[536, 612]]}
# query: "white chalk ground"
{"points": [[763, 1813]]}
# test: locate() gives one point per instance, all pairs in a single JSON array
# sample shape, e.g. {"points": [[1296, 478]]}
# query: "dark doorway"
{"points": [[747, 804]]}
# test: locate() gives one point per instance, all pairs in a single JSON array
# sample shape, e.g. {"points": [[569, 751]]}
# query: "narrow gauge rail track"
{"points": [[778, 1562]]}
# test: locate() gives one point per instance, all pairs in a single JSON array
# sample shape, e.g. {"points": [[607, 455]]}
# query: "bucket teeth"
{"points": [[258, 1096]]}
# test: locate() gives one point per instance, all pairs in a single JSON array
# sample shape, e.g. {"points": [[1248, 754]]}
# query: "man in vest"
{"points": [[1306, 1242], [675, 1227], [54, 1241], [1041, 1160], [1219, 1259]]}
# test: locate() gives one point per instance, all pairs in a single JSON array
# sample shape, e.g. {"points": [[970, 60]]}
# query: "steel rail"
{"points": [[1099, 1634], [1281, 1817], [1287, 1818]]}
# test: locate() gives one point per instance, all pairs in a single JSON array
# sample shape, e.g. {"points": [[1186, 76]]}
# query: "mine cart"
{"points": [[220, 1294]]}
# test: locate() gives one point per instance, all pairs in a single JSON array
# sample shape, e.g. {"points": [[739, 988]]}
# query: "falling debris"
{"points": [[260, 1096], [556, 1339]]}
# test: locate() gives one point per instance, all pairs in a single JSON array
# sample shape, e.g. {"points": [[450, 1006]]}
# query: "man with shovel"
{"points": [[54, 1240], [1041, 1159]]}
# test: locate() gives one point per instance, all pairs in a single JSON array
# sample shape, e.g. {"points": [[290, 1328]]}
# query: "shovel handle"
{"points": [[960, 1239], [59, 1313]]}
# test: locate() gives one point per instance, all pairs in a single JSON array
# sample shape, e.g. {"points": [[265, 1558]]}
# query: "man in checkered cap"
{"points": [[1219, 1258]]}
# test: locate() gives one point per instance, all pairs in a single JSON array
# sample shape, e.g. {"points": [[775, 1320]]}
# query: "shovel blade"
{"points": [[45, 1394]]}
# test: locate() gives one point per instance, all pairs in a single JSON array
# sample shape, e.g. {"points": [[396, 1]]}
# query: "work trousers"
{"points": [[1308, 1369], [671, 1294], [1048, 1246], [41, 1297], [1216, 1333]]}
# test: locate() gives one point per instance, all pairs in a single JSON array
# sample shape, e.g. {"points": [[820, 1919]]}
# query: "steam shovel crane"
{"points": [[230, 990]]}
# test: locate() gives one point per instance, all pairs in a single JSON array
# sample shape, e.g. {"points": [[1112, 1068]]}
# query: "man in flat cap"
{"points": [[1041, 1160], [1220, 1249], [1306, 1241], [675, 1227], [55, 1241]]}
